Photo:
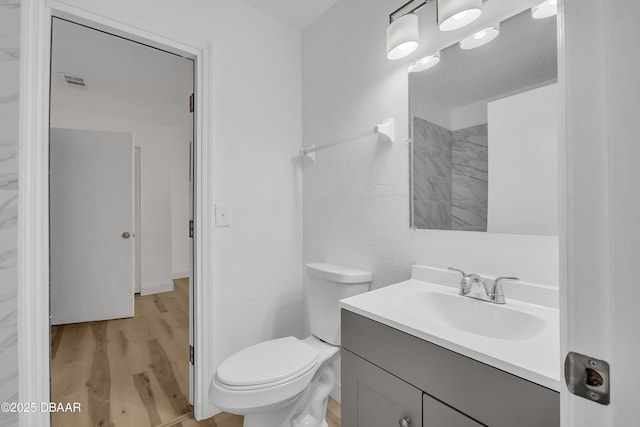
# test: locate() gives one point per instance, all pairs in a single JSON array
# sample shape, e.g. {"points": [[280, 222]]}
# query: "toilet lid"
{"points": [[267, 362]]}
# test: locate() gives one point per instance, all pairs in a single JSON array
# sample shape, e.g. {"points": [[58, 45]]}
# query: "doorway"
{"points": [[104, 83]]}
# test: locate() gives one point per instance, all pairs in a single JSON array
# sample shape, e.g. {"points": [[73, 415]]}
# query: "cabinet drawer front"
{"points": [[489, 395], [372, 397], [436, 414]]}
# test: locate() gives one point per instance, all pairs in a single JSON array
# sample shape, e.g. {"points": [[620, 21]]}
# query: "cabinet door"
{"points": [[437, 414], [372, 397]]}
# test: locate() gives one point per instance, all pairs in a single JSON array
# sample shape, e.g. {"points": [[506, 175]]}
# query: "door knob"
{"points": [[404, 422], [126, 235]]}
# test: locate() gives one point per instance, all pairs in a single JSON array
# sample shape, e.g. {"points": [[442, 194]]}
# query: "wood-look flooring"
{"points": [[133, 372]]}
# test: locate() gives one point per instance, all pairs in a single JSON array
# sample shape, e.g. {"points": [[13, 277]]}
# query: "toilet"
{"points": [[286, 382]]}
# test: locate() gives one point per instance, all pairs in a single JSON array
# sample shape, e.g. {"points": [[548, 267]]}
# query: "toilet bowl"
{"points": [[286, 382], [277, 383]]}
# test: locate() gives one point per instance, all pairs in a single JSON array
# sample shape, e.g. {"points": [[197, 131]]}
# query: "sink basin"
{"points": [[521, 337], [472, 315]]}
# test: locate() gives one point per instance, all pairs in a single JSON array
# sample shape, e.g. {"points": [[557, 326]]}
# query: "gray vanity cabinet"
{"points": [[388, 374], [437, 414], [378, 399]]}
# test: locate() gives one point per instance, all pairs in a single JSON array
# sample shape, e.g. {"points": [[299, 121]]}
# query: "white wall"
{"points": [[529, 257], [523, 163], [164, 188]]}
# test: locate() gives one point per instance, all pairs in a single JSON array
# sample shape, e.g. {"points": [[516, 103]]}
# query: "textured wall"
{"points": [[9, 84]]}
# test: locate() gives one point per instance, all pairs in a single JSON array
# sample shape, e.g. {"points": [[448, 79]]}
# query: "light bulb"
{"points": [[461, 15], [425, 63], [407, 46], [545, 9], [480, 38], [480, 34], [455, 14]]}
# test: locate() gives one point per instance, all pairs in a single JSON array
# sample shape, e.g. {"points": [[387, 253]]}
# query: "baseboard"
{"points": [[180, 275], [156, 287]]}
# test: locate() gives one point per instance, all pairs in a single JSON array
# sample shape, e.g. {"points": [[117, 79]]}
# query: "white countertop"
{"points": [[535, 358]]}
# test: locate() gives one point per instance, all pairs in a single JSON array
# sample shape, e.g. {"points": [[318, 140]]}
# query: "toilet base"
{"points": [[260, 422], [307, 410]]}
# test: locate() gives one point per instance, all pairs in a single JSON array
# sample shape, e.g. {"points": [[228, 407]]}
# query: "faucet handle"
{"points": [[465, 286], [459, 271], [500, 279], [497, 294]]}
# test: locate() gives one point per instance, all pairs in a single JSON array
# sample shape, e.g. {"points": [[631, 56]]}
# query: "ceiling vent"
{"points": [[73, 81]]}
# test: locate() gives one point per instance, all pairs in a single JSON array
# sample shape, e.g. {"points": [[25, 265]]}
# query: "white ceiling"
{"points": [[296, 13], [124, 78]]}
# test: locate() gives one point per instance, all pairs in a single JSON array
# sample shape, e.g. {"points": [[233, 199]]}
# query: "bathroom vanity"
{"points": [[408, 368]]}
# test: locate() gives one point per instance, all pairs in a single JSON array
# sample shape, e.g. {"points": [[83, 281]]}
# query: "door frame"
{"points": [[600, 236], [33, 228]]}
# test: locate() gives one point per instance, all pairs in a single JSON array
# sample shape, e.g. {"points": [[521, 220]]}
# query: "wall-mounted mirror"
{"points": [[484, 134]]}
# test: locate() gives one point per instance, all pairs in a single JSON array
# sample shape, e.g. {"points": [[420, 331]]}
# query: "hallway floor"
{"points": [[132, 372]]}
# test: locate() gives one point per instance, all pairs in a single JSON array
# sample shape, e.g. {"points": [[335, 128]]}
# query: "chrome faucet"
{"points": [[492, 289]]}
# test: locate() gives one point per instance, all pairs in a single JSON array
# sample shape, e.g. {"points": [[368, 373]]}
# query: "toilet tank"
{"points": [[327, 284]]}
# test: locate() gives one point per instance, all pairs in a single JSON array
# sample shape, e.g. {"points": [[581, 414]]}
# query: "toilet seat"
{"points": [[267, 374], [267, 364]]}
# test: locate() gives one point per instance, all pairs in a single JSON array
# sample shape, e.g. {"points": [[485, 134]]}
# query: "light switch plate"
{"points": [[223, 215]]}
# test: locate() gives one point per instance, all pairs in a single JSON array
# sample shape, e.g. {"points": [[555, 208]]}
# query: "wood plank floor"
{"points": [[133, 372]]}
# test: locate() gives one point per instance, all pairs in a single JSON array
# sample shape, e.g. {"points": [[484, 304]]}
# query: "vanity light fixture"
{"points": [[545, 9], [455, 14], [480, 38], [402, 32], [425, 63], [402, 36]]}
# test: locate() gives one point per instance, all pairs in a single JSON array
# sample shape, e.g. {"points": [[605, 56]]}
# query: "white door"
{"points": [[601, 240], [91, 223]]}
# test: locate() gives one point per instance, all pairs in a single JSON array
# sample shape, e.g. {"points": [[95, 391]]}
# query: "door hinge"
{"points": [[191, 352], [191, 228], [192, 106], [587, 377]]}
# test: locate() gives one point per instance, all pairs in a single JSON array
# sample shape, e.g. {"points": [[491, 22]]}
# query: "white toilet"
{"points": [[286, 382]]}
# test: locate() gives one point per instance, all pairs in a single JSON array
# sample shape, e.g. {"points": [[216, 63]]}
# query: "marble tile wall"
{"points": [[450, 177], [432, 174], [470, 180], [9, 86]]}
